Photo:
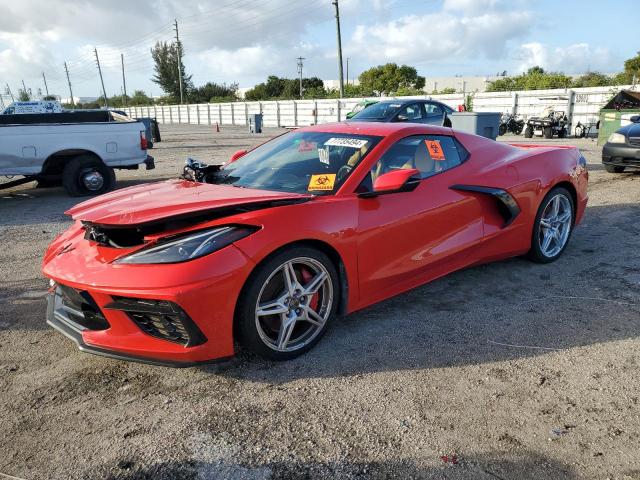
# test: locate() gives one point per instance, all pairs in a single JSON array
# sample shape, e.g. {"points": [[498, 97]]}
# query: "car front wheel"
{"points": [[288, 303], [552, 226]]}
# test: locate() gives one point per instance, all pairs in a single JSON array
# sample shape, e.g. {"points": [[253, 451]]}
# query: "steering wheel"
{"points": [[343, 172]]}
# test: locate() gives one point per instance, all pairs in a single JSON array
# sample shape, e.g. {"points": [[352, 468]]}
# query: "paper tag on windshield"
{"points": [[323, 155], [346, 142], [324, 181]]}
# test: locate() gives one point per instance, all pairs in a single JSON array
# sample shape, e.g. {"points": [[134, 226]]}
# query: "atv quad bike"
{"points": [[551, 122]]}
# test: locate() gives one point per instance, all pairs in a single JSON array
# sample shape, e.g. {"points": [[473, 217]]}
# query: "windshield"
{"points": [[378, 111], [299, 162]]}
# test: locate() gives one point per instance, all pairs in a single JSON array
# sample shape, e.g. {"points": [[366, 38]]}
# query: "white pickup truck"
{"points": [[78, 149]]}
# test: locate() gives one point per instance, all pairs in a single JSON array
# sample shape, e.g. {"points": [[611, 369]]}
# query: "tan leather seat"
{"points": [[422, 161]]}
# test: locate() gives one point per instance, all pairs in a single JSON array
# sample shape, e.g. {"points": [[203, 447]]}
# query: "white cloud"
{"points": [[575, 58], [431, 37]]}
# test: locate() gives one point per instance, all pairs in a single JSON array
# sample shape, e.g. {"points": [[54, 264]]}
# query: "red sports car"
{"points": [[270, 248]]}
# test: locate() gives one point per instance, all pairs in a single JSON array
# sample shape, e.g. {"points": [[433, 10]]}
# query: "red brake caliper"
{"points": [[307, 276]]}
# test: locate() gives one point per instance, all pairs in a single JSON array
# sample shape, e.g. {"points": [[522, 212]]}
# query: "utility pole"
{"points": [[335, 3], [10, 94], [104, 92], [124, 81], [179, 60], [300, 59], [46, 88], [347, 70], [69, 82]]}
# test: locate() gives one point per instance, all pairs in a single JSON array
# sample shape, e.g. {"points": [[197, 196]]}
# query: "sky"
{"points": [[244, 41]]}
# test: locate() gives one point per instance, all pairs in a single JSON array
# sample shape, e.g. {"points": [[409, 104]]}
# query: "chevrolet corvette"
{"points": [[267, 250]]}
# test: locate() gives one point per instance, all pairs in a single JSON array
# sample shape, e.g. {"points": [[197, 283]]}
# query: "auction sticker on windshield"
{"points": [[346, 142], [323, 182]]}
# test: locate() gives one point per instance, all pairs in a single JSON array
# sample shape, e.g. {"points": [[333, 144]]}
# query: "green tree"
{"points": [[212, 92], [166, 57], [536, 78], [631, 69], [389, 78], [286, 89], [592, 79]]}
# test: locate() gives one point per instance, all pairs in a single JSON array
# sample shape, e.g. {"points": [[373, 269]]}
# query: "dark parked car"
{"points": [[413, 111], [622, 149]]}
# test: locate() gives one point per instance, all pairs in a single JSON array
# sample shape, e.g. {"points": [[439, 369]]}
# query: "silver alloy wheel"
{"points": [[555, 225], [92, 179], [294, 311]]}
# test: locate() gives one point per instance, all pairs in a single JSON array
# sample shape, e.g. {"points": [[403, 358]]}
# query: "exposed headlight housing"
{"points": [[617, 138], [187, 247]]}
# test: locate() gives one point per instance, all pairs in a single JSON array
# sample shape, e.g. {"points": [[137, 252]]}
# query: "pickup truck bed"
{"points": [[71, 149]]}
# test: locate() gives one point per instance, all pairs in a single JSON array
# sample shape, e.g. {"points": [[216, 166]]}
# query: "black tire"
{"points": [[547, 132], [562, 133], [528, 132], [613, 169], [75, 170], [518, 130], [502, 129], [246, 329], [535, 253]]}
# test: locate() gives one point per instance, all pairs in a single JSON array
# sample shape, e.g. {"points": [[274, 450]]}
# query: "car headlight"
{"points": [[188, 247], [617, 138]]}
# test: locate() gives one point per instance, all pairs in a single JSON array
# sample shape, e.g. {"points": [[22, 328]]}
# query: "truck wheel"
{"points": [[528, 132], [87, 175], [547, 132]]}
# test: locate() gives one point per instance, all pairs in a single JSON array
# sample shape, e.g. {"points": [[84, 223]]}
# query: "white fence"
{"points": [[580, 104]]}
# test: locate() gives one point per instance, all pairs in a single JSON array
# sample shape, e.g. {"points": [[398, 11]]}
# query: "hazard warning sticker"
{"points": [[435, 149], [323, 181]]}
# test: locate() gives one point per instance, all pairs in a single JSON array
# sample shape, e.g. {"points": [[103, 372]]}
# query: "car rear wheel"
{"points": [[87, 175], [613, 169], [288, 304], [528, 132], [552, 226]]}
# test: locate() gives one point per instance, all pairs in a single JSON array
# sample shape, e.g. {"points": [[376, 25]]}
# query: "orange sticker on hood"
{"points": [[435, 149]]}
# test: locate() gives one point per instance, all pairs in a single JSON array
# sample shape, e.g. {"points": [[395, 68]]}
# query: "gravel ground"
{"points": [[507, 371]]}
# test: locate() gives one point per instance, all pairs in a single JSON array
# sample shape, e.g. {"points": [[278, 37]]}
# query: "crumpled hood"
{"points": [[155, 201]]}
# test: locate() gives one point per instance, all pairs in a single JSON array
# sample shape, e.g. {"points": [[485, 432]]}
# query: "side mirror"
{"points": [[237, 155], [635, 119], [403, 180], [401, 118]]}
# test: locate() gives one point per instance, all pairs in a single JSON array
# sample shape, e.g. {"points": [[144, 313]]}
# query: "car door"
{"points": [[408, 238], [434, 113], [412, 112]]}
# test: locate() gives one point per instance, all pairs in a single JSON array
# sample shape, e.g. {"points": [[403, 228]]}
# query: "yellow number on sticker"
{"points": [[324, 181]]}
